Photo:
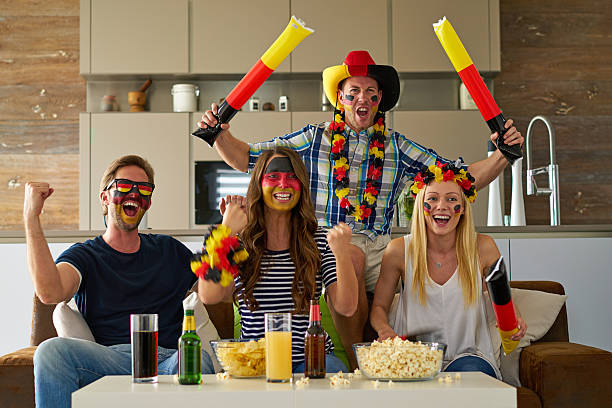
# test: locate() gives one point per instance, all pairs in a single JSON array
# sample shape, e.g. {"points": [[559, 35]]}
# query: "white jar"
{"points": [[185, 97]]}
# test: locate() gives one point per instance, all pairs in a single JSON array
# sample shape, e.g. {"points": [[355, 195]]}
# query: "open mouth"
{"points": [[363, 112], [282, 197], [130, 208], [441, 220]]}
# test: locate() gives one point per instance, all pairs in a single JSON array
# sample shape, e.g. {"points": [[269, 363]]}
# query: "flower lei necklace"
{"points": [[339, 154]]}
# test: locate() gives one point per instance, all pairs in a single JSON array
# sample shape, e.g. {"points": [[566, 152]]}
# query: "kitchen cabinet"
{"points": [[250, 127], [230, 36], [451, 134], [301, 119], [134, 37], [416, 47], [162, 139], [340, 27]]}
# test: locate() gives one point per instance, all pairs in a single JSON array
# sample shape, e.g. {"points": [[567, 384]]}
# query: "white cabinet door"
{"points": [[340, 26], [250, 127], [136, 37], [416, 47], [162, 139], [451, 134], [230, 36]]}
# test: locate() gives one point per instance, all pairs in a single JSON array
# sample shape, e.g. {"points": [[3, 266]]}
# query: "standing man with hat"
{"points": [[357, 166]]}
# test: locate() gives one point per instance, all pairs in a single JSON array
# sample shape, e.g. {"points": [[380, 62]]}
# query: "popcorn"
{"points": [[397, 358], [457, 376], [302, 382], [338, 380], [357, 372], [224, 376]]}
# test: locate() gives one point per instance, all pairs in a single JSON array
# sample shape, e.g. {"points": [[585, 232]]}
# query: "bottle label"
{"points": [[189, 323], [315, 313]]}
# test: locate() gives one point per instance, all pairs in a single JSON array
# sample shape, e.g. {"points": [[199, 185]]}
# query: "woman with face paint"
{"points": [[441, 266], [290, 259]]}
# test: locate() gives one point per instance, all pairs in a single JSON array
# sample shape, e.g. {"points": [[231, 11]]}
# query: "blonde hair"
{"points": [[466, 247], [124, 161]]}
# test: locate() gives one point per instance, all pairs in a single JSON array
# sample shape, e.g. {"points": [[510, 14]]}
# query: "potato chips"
{"points": [[243, 359]]}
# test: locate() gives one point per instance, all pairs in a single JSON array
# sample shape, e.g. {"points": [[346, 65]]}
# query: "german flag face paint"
{"points": [[360, 96], [131, 199], [280, 186]]}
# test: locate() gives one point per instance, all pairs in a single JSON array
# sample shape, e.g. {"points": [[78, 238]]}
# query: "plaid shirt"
{"points": [[403, 160]]}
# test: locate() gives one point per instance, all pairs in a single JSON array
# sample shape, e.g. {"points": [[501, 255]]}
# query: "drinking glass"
{"points": [[278, 347], [143, 329]]}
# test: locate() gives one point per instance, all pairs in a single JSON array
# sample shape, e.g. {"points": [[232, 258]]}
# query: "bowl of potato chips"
{"points": [[399, 360], [241, 358]]}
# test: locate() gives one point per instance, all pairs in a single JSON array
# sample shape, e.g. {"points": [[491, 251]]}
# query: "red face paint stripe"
{"points": [[248, 85], [506, 318], [479, 92]]}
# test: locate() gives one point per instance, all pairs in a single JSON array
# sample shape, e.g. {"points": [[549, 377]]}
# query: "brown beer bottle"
{"points": [[314, 344]]}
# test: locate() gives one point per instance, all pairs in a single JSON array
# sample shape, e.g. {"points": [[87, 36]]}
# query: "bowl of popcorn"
{"points": [[399, 360], [241, 358]]}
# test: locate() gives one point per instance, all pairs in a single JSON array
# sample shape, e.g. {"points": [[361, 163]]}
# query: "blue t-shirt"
{"points": [[115, 284]]}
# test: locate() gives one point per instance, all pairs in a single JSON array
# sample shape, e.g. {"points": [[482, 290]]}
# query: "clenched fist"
{"points": [[35, 195], [339, 238]]}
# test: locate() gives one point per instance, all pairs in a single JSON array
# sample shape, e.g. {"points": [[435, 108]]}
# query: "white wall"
{"points": [[17, 291], [584, 267]]}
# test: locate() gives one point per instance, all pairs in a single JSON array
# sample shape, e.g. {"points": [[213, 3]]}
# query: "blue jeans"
{"points": [[63, 365], [471, 363], [332, 365]]}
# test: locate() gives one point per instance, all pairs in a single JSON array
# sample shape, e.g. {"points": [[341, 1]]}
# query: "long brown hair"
{"points": [[303, 225]]}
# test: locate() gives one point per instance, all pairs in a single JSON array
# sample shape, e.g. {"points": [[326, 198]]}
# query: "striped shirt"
{"points": [[403, 160], [273, 293]]}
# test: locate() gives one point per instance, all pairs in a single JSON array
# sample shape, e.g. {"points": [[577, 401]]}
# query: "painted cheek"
{"points": [[294, 184], [349, 99], [374, 101], [427, 208], [457, 209]]}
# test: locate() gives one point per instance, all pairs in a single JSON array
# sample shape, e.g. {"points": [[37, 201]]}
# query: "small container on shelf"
{"points": [[185, 97], [283, 104], [254, 104], [109, 104]]}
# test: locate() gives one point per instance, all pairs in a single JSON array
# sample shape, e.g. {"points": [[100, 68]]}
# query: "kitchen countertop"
{"points": [[529, 231]]}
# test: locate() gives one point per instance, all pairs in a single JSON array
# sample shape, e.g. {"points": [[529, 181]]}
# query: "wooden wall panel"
{"points": [[557, 62], [41, 94]]}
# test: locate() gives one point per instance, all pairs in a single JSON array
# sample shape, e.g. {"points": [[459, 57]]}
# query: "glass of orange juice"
{"points": [[278, 347]]}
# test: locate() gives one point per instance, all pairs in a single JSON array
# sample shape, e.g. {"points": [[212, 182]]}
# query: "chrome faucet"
{"points": [[552, 169]]}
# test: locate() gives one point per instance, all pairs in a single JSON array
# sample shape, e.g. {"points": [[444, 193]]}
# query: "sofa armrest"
{"points": [[567, 374], [17, 378]]}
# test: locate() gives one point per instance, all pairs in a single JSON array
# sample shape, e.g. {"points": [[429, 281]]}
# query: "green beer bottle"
{"points": [[189, 352]]}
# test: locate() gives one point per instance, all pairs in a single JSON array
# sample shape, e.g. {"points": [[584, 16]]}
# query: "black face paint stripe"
{"points": [[375, 98], [349, 97], [427, 206], [457, 208], [279, 164]]}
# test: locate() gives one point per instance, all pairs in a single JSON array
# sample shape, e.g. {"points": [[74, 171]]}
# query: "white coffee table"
{"points": [[472, 389]]}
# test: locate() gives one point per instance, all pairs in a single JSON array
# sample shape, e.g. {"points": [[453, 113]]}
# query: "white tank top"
{"points": [[445, 318]]}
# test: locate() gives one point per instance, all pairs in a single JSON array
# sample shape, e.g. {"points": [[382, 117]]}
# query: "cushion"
{"points": [[539, 310], [69, 322]]}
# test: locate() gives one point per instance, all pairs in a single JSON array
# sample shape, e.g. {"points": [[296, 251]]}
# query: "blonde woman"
{"points": [[441, 266]]}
